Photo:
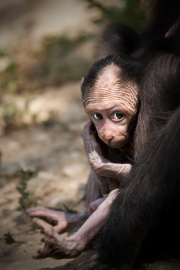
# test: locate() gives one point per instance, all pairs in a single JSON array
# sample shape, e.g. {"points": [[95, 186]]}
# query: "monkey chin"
{"points": [[117, 145], [120, 144]]}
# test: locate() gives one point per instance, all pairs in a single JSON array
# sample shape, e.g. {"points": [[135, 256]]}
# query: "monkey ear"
{"points": [[82, 80]]}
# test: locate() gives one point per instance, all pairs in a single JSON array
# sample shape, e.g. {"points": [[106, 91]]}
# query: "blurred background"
{"points": [[45, 49]]}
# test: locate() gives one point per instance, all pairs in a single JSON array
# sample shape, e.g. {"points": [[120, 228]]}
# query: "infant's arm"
{"points": [[101, 165]]}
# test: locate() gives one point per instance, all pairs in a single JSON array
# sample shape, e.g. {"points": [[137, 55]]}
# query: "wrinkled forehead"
{"points": [[108, 84], [108, 78], [109, 90]]}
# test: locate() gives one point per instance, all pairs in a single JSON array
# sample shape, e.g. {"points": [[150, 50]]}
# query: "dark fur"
{"points": [[121, 38], [154, 183], [143, 221], [164, 13], [118, 37]]}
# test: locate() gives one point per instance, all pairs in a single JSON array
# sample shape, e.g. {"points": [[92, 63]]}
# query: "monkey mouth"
{"points": [[118, 144]]}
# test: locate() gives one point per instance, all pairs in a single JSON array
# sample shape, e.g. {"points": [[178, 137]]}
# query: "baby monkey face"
{"points": [[110, 104], [111, 119]]}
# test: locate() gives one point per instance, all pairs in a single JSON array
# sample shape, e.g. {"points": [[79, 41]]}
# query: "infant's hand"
{"points": [[93, 149], [55, 245]]}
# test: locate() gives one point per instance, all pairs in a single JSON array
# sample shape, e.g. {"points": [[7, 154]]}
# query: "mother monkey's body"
{"points": [[144, 215], [143, 218]]}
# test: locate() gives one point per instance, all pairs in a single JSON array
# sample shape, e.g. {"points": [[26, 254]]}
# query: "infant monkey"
{"points": [[116, 38], [110, 99]]}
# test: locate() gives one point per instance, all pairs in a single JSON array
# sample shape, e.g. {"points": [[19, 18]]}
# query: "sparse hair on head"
{"points": [[130, 70]]}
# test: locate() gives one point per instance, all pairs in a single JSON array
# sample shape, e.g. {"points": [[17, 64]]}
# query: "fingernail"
{"points": [[34, 220]]}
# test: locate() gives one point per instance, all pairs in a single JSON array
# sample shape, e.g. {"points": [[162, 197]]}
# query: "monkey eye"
{"points": [[117, 116], [97, 116]]}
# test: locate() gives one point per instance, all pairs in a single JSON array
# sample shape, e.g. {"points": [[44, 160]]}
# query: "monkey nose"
{"points": [[107, 135]]}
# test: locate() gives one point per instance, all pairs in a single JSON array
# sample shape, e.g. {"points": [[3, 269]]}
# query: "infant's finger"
{"points": [[88, 126], [41, 212], [87, 140], [44, 253], [88, 146], [85, 135], [48, 229], [43, 240], [47, 249], [88, 129], [96, 145], [59, 227], [42, 223]]}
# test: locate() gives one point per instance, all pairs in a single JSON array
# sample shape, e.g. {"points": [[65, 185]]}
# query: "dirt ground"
{"points": [[58, 156], [55, 151]]}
